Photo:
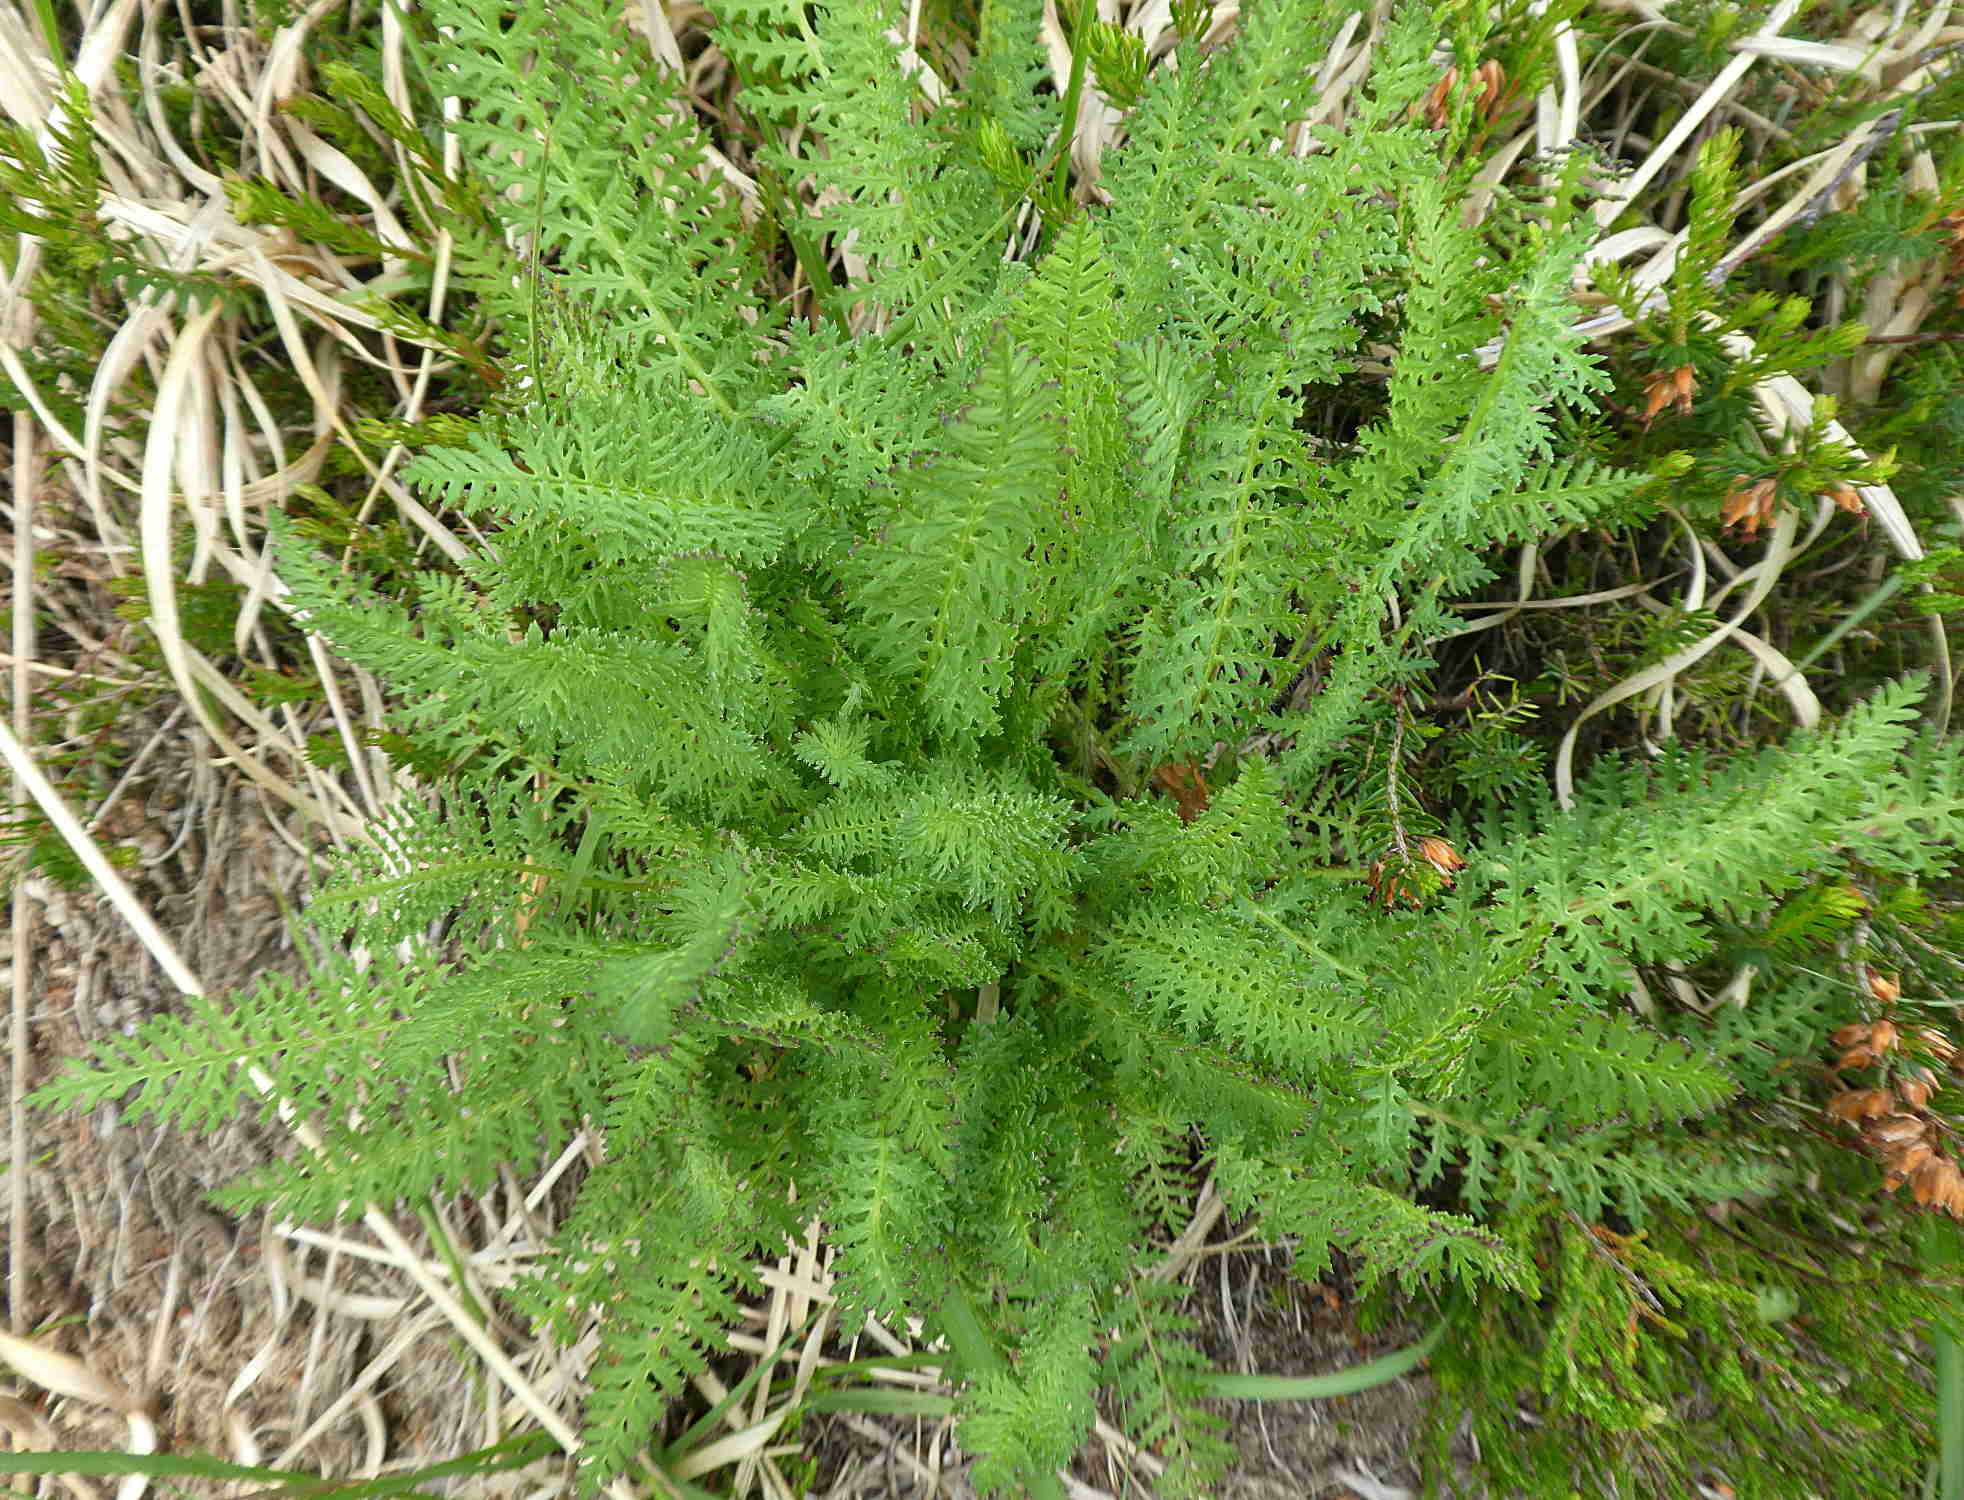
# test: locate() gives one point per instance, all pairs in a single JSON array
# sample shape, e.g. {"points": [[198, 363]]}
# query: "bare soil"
{"points": [[1254, 1317], [211, 1324]]}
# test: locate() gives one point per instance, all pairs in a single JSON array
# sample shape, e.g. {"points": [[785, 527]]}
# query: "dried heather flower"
{"points": [[1748, 504], [1860, 1104], [1903, 1161], [1930, 1181], [1950, 1197], [1896, 1130], [1916, 1086], [1934, 1042], [1441, 856], [1668, 388]]}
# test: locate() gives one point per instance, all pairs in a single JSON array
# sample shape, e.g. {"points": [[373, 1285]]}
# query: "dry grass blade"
{"points": [[1895, 301], [23, 637], [1763, 576], [1666, 150]]}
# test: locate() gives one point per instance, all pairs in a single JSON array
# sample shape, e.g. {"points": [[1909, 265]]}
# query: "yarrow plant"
{"points": [[945, 764]]}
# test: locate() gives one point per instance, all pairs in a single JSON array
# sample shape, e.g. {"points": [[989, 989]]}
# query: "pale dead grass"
{"points": [[359, 1351]]}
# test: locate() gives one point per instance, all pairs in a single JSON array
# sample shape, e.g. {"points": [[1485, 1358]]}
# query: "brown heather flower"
{"points": [[1389, 885], [1934, 1042], [1664, 388], [1860, 1104], [1434, 104], [1441, 856], [1748, 504], [1904, 1161], [1925, 1180], [1916, 1086], [1896, 1130], [1864, 1042], [1951, 1199], [1489, 77], [1390, 877], [1895, 1125], [1938, 1184], [1187, 787], [1848, 498]]}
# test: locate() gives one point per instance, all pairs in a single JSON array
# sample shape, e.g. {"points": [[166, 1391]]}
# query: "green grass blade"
{"points": [[1317, 1387]]}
